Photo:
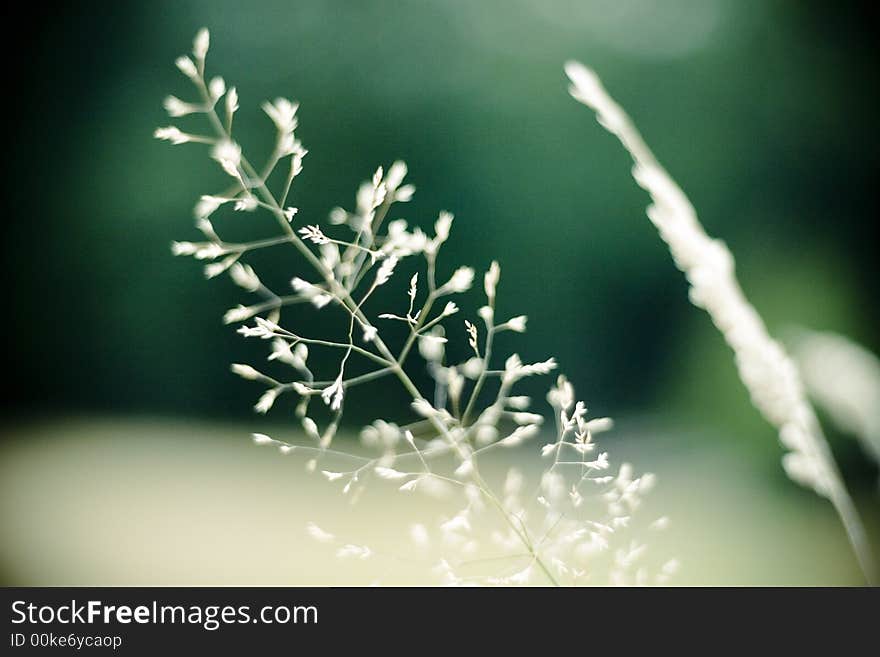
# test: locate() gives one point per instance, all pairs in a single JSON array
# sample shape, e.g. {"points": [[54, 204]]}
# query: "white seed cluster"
{"points": [[574, 528]]}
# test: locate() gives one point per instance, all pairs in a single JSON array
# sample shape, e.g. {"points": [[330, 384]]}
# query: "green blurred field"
{"points": [[107, 502]]}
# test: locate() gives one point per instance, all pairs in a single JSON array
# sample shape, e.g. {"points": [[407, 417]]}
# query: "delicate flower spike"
{"points": [[283, 114], [522, 417], [216, 88], [544, 367], [460, 282], [207, 205], [302, 389], [432, 346], [208, 251], [228, 154], [246, 371], [600, 425], [216, 268], [183, 248], [396, 173], [247, 203], [490, 281], [333, 394], [264, 328], [378, 192], [261, 439], [313, 234], [239, 314], [520, 434], [318, 296], [442, 227], [231, 103], [404, 194], [393, 179], [337, 216], [266, 401], [172, 134], [204, 226], [423, 408], [561, 397], [245, 277], [517, 324], [472, 368], [520, 403], [413, 289], [370, 333], [187, 67], [580, 514], [267, 326], [386, 270], [389, 473], [200, 44], [311, 429], [515, 370], [472, 336], [176, 107]]}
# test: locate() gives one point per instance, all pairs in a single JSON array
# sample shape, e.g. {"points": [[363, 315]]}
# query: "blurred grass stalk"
{"points": [[768, 373], [843, 379]]}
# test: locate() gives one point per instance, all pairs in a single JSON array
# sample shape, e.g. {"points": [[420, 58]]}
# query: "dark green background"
{"points": [[763, 111]]}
